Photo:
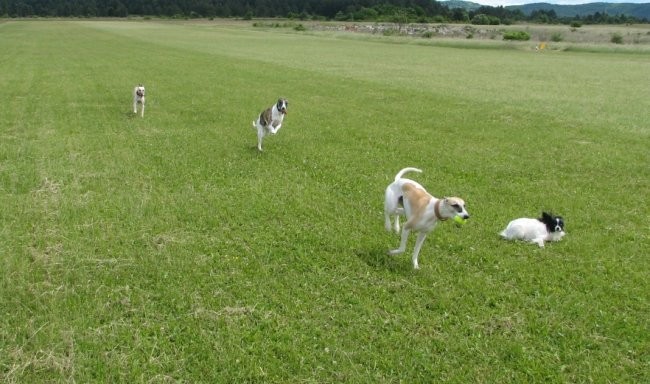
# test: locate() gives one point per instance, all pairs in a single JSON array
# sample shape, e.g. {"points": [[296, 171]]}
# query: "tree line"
{"points": [[403, 11]]}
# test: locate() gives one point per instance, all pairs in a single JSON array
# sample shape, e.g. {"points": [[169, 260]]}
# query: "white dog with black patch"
{"points": [[547, 228], [423, 211], [138, 98], [270, 120]]}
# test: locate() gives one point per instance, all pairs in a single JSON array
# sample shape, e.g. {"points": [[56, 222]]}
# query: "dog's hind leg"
{"points": [[391, 225], [402, 245], [387, 223], [388, 209], [416, 251], [400, 211], [260, 136]]}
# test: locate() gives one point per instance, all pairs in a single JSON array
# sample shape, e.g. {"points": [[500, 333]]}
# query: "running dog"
{"points": [[422, 211], [138, 98], [270, 120]]}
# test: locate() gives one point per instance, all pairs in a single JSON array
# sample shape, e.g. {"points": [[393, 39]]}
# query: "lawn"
{"points": [[167, 249]]}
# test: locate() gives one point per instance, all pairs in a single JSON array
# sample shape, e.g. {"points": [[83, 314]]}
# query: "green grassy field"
{"points": [[166, 249]]}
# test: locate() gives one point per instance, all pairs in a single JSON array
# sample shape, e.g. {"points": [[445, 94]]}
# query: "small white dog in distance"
{"points": [[546, 228], [138, 98], [270, 120], [423, 211]]}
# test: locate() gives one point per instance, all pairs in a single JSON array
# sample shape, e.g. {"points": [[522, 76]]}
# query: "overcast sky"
{"points": [[495, 3]]}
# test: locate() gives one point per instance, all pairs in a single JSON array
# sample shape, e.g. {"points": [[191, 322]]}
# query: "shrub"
{"points": [[302, 16], [365, 14], [427, 34], [617, 38], [390, 32], [469, 30], [576, 24], [341, 16], [516, 35], [299, 27], [480, 19], [557, 37], [483, 19]]}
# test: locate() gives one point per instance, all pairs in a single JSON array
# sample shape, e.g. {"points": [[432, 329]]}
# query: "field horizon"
{"points": [[167, 249]]}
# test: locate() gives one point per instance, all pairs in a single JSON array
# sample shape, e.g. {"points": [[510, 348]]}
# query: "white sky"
{"points": [[496, 3]]}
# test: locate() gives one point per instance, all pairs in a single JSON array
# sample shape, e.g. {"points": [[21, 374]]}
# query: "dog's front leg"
{"points": [[275, 130], [402, 244], [142, 112], [416, 251], [135, 107]]}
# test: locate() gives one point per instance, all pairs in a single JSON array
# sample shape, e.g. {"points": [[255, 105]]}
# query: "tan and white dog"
{"points": [[270, 120], [423, 211], [138, 98]]}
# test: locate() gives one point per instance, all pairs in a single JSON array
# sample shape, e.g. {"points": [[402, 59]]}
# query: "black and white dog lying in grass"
{"points": [[546, 228], [270, 120], [138, 98]]}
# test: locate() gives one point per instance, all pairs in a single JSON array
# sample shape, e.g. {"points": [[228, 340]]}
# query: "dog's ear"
{"points": [[547, 216]]}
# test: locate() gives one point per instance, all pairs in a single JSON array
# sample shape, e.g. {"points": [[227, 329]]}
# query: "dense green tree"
{"points": [[376, 10]]}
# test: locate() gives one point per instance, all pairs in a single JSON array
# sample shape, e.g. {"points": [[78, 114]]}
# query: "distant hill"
{"points": [[467, 5], [640, 11]]}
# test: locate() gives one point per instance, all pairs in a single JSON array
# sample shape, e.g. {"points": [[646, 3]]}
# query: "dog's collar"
{"points": [[436, 210]]}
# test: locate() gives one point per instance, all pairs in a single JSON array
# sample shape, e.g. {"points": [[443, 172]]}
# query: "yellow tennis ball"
{"points": [[459, 220]]}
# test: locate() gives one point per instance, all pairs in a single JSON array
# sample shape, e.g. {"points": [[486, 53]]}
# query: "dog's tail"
{"points": [[405, 170]]}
